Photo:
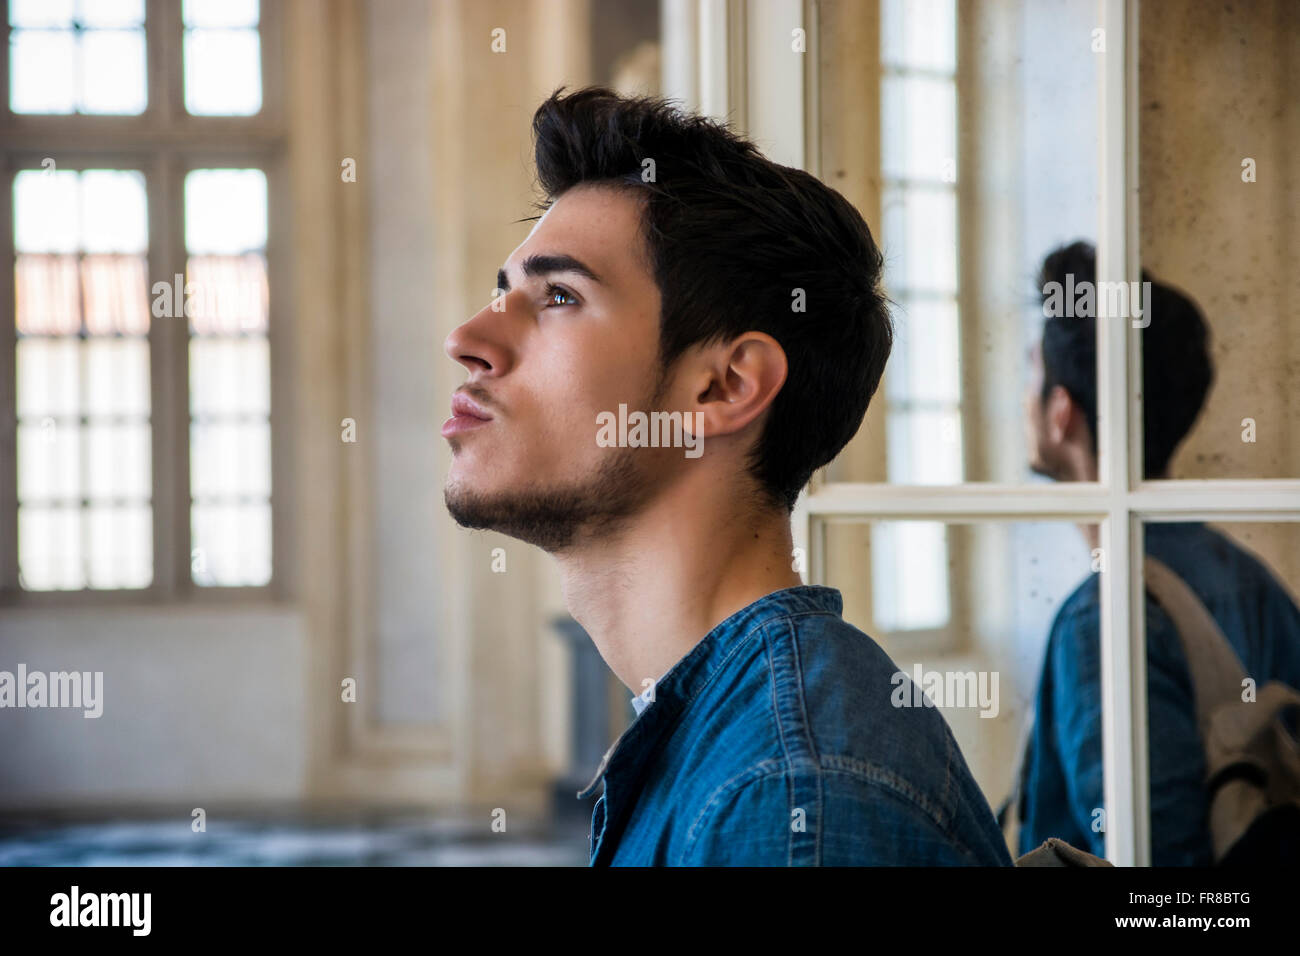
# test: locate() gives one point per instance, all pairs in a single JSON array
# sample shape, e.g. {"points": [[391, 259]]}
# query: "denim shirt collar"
{"points": [[625, 761]]}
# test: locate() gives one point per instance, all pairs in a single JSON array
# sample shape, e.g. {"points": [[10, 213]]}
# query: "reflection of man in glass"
{"points": [[1062, 782]]}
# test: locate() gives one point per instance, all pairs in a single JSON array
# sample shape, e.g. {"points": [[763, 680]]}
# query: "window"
{"points": [[230, 429], [82, 378], [222, 53], [77, 56], [138, 202]]}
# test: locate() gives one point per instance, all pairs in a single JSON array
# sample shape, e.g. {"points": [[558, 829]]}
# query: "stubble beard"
{"points": [[558, 518], [555, 519]]}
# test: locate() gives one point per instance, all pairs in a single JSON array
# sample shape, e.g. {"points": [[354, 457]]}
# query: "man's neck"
{"points": [[649, 592]]}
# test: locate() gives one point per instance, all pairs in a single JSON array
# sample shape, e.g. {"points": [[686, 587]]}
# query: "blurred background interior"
{"points": [[228, 499]]}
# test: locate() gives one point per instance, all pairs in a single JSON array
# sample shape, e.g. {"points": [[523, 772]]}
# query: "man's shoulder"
{"points": [[1211, 562], [827, 727], [1074, 636], [1082, 608], [815, 684], [1220, 571], [842, 812]]}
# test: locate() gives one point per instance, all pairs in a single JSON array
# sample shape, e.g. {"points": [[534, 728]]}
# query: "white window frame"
{"points": [[712, 58]]}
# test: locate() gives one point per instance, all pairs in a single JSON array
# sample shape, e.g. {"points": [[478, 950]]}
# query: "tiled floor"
{"points": [[389, 842]]}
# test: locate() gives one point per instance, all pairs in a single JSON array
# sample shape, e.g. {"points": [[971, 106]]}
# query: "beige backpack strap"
{"points": [[1216, 670]]}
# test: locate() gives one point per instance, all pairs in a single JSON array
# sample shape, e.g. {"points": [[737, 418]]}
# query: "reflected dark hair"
{"points": [[730, 237], [1176, 367]]}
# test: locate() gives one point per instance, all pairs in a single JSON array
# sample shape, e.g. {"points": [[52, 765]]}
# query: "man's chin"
{"points": [[550, 521], [480, 512], [1040, 467], [554, 519]]}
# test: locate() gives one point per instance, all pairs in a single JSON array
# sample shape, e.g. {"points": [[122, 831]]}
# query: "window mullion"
{"points": [[179, 364], [172, 362], [279, 333], [8, 393], [162, 19], [1123, 641], [4, 63], [161, 384]]}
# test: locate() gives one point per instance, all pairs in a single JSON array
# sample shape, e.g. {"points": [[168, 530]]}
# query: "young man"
{"points": [[1062, 783], [676, 270]]}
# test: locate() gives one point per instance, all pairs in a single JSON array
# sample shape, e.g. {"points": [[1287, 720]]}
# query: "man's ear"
{"points": [[738, 380], [1060, 414]]}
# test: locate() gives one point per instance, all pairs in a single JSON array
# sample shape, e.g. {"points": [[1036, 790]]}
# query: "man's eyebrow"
{"points": [[540, 265]]}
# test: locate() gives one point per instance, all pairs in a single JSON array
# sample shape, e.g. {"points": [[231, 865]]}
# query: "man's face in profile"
{"points": [[1037, 441], [559, 348]]}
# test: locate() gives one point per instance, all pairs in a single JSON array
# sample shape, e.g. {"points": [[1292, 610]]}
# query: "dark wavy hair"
{"points": [[731, 236], [1176, 368]]}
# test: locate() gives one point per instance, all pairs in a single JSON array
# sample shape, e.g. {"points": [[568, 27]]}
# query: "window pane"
{"points": [[113, 288], [225, 211], [230, 459], [49, 548], [120, 546], [117, 460], [230, 376], [923, 367], [232, 545], [117, 377], [223, 72], [113, 217], [920, 115], [910, 575], [921, 34], [110, 13], [42, 71], [230, 380], [46, 295], [1246, 577], [920, 238], [49, 460], [47, 211], [220, 13], [83, 379], [227, 294], [80, 68], [963, 244], [41, 13], [113, 72], [1221, 341], [49, 379], [975, 627], [924, 446]]}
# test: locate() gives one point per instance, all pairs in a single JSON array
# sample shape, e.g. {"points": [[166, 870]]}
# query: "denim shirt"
{"points": [[774, 742], [1062, 783]]}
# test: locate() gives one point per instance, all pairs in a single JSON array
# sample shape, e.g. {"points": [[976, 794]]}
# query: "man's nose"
{"points": [[479, 342]]}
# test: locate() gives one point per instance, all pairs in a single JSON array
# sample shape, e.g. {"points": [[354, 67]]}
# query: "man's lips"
{"points": [[466, 414]]}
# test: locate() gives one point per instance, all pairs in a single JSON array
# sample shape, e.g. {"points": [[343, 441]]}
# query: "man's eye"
{"points": [[553, 290]]}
